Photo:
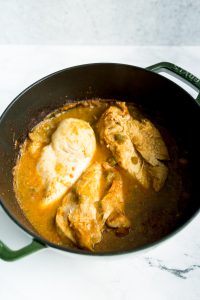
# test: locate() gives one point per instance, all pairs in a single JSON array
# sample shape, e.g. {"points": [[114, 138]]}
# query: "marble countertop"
{"points": [[130, 22], [170, 271]]}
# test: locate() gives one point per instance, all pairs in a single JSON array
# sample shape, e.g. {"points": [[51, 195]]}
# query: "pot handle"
{"points": [[186, 77], [10, 255]]}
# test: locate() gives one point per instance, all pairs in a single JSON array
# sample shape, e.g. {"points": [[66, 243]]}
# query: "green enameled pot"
{"points": [[162, 98]]}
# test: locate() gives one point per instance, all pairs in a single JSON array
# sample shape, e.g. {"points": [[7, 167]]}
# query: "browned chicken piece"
{"points": [[78, 218], [136, 145], [82, 215], [113, 202], [113, 131]]}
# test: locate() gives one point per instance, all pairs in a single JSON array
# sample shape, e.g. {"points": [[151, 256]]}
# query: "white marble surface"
{"points": [[105, 22], [171, 271]]}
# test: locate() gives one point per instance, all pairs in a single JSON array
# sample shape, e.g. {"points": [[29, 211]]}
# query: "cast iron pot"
{"points": [[164, 101]]}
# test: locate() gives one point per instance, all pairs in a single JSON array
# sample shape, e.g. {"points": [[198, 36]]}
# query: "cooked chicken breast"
{"points": [[78, 218], [62, 161], [136, 145], [96, 198], [148, 141], [113, 131], [113, 202], [158, 174]]}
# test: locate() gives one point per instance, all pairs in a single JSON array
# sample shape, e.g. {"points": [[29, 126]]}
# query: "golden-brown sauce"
{"points": [[152, 214]]}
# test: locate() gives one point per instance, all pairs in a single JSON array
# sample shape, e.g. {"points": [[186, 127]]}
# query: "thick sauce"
{"points": [[152, 214]]}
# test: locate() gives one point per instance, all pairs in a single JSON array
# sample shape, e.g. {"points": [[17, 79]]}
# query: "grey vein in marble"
{"points": [[181, 273]]}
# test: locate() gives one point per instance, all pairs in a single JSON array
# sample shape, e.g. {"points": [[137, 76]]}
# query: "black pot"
{"points": [[162, 98]]}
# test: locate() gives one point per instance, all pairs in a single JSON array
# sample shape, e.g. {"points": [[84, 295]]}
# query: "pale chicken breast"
{"points": [[96, 199], [69, 153], [136, 145]]}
